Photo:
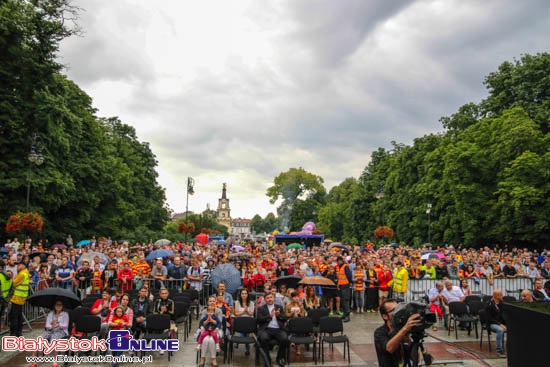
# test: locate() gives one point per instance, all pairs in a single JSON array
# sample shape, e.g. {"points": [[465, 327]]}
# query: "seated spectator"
{"points": [[527, 296], [56, 327], [540, 294], [103, 308], [496, 321], [438, 302], [142, 307]]}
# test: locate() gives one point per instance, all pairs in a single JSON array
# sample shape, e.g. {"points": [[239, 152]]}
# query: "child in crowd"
{"points": [[209, 324]]}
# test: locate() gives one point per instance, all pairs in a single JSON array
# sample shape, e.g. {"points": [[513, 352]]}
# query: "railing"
{"points": [[509, 287]]}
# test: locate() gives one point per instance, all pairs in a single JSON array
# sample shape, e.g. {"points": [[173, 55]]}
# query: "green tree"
{"points": [[300, 192]]}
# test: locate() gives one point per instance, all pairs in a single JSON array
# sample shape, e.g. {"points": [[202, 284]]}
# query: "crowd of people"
{"points": [[364, 278]]}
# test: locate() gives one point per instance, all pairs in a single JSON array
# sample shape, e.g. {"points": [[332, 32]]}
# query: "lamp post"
{"points": [[429, 211], [190, 191], [35, 157], [379, 196]]}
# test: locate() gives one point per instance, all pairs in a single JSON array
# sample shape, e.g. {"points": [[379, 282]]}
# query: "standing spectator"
{"points": [[11, 265], [142, 265], [194, 275], [345, 277], [64, 274], [109, 275], [384, 276], [371, 283], [509, 270], [531, 271], [400, 281], [125, 277], [69, 241], [441, 271], [84, 277], [545, 271], [496, 321], [176, 274], [20, 286]]}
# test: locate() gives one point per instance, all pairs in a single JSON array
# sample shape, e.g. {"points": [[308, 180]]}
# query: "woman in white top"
{"points": [[57, 326], [244, 307]]}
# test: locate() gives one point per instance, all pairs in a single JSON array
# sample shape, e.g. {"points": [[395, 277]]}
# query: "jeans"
{"points": [[499, 331], [359, 300]]}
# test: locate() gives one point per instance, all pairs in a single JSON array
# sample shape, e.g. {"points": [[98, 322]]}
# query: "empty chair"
{"points": [[300, 330], [315, 316], [458, 312], [241, 325], [157, 327], [328, 327], [471, 298]]}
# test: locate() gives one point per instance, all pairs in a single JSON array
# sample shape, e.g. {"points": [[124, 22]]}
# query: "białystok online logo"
{"points": [[119, 340]]}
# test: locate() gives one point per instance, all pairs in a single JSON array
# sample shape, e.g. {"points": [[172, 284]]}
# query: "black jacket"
{"points": [[264, 318], [494, 313]]}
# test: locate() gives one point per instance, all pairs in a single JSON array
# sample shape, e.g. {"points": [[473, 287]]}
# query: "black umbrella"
{"points": [[43, 256], [47, 297], [291, 281], [337, 245]]}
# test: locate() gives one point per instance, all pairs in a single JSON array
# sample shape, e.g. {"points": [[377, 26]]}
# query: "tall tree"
{"points": [[299, 191]]}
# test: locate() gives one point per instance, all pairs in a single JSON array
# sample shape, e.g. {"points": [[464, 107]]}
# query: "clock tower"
{"points": [[224, 212]]}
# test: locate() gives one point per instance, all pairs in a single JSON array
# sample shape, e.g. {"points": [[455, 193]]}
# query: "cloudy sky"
{"points": [[240, 91]]}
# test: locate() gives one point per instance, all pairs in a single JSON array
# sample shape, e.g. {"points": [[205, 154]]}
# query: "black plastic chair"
{"points": [[458, 312], [471, 298], [157, 327], [509, 299], [182, 312], [89, 325], [195, 301], [328, 326], [486, 298], [300, 330], [244, 325], [486, 328], [315, 316], [88, 302], [76, 314], [516, 294]]}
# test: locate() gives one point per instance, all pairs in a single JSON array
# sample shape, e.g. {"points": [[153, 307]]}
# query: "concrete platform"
{"points": [[446, 350]]}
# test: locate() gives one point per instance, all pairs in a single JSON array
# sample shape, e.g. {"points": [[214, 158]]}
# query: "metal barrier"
{"points": [[482, 287]]}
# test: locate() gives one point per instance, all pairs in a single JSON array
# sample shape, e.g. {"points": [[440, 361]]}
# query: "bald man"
{"points": [[527, 296], [496, 321]]}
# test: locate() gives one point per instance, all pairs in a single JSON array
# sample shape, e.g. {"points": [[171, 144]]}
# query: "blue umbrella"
{"points": [[229, 274], [159, 253], [222, 242], [83, 243]]}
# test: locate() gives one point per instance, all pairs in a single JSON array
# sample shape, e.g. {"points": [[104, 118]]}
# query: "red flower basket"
{"points": [[25, 222], [383, 232]]}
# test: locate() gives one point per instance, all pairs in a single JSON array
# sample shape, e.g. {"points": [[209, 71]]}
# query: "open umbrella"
{"points": [[229, 274], [394, 245], [237, 248], [240, 255], [89, 256], [59, 246], [432, 255], [291, 281], [159, 254], [317, 280], [47, 297], [203, 238], [162, 242], [42, 255], [295, 245], [83, 243], [336, 245], [221, 242]]}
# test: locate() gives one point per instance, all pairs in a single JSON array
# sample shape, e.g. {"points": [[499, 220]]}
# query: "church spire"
{"points": [[224, 190]]}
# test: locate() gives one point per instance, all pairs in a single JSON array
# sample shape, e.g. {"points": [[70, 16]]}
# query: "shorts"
{"points": [[383, 293]]}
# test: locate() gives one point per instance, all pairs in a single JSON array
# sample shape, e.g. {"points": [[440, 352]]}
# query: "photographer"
{"points": [[389, 343]]}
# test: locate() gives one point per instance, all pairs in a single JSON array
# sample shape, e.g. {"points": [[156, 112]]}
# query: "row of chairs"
{"points": [[316, 329]]}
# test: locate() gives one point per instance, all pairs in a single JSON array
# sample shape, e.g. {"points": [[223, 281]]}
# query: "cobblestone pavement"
{"points": [[464, 351]]}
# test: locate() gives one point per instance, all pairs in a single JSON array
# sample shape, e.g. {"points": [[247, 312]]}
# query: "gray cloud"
{"points": [[321, 85]]}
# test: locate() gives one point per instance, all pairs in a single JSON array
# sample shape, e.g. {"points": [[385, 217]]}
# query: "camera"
{"points": [[405, 310]]}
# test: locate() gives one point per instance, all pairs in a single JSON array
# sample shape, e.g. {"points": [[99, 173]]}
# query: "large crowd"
{"points": [[127, 285]]}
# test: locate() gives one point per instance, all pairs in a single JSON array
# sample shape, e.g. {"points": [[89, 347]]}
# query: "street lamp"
{"points": [[429, 211], [190, 191], [35, 157], [380, 195]]}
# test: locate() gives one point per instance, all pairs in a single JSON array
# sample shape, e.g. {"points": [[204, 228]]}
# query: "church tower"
{"points": [[224, 212]]}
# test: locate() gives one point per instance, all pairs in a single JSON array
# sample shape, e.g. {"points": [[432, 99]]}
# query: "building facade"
{"points": [[240, 228]]}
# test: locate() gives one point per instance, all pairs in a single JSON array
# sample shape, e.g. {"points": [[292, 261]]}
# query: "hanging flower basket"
{"points": [[25, 222], [383, 232], [186, 227]]}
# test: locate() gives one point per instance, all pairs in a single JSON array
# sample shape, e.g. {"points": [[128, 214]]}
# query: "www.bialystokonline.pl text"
{"points": [[90, 359]]}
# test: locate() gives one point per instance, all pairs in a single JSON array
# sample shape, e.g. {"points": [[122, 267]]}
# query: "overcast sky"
{"points": [[240, 91]]}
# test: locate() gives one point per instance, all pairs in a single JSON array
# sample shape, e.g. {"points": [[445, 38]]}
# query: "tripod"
{"points": [[416, 350]]}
